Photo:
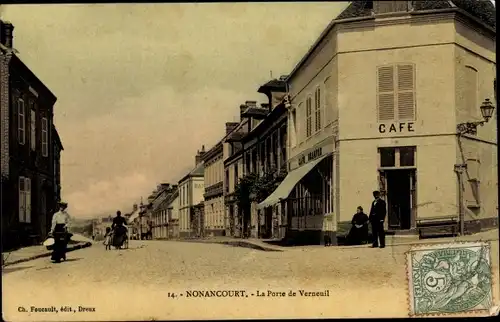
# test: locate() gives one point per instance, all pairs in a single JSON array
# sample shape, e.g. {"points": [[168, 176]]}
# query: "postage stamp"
{"points": [[450, 279]]}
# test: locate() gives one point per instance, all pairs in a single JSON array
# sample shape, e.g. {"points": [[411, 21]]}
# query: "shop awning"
{"points": [[290, 181]]}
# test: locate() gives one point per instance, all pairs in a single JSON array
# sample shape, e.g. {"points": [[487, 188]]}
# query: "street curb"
{"points": [[249, 245], [47, 254], [234, 243]]}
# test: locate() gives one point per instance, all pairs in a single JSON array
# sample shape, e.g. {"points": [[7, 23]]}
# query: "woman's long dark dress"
{"points": [[60, 242], [119, 231], [358, 236]]}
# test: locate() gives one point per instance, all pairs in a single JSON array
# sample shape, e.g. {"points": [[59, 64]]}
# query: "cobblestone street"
{"points": [[134, 283]]}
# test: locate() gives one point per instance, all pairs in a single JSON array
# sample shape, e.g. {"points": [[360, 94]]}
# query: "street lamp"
{"points": [[487, 109]]}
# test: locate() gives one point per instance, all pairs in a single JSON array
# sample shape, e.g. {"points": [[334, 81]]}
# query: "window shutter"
{"points": [[21, 199], [406, 92], [28, 199], [33, 130], [21, 121], [327, 104], [317, 109], [385, 93]]}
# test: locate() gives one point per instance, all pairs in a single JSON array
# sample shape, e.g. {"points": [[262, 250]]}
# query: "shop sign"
{"points": [[396, 127], [310, 156]]}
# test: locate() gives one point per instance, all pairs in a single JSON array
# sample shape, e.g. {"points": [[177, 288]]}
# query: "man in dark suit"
{"points": [[378, 212]]}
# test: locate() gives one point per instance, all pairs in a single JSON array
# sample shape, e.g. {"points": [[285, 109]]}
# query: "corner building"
{"points": [[379, 97]]}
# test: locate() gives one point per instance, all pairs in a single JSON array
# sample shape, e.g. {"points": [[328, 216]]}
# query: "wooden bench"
{"points": [[438, 226]]}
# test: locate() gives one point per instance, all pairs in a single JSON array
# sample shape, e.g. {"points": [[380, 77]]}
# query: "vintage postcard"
{"points": [[258, 160]]}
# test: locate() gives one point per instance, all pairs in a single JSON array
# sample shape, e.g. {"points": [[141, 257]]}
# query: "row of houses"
{"points": [[30, 149], [394, 96]]}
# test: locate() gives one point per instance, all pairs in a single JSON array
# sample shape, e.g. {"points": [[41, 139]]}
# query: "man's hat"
{"points": [[62, 203]]}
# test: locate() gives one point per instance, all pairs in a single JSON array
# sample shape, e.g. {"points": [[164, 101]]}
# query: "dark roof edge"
{"points": [[52, 97], [58, 138]]}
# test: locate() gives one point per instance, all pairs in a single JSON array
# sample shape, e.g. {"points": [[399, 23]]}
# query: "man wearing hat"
{"points": [[60, 222]]}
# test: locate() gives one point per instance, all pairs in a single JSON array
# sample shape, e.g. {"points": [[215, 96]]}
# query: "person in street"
{"points": [[359, 231], [107, 238], [59, 232], [119, 230], [378, 212]]}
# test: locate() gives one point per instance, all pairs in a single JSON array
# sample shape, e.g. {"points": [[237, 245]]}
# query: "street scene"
{"points": [[249, 160]]}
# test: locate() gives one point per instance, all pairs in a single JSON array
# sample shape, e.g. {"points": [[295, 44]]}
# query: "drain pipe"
{"points": [[459, 170]]}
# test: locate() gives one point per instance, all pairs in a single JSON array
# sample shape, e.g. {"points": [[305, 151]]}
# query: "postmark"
{"points": [[450, 279]]}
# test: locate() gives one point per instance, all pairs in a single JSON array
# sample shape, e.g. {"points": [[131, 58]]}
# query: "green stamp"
{"points": [[449, 279]]}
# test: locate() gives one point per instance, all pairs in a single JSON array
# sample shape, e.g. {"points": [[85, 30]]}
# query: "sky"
{"points": [[141, 87]]}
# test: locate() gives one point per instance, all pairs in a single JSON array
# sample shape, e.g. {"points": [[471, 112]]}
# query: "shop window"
{"points": [[407, 157], [397, 157], [387, 157]]}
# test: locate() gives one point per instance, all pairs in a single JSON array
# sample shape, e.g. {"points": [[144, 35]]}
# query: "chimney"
{"points": [[199, 156], [7, 34], [243, 108], [251, 103], [230, 126]]}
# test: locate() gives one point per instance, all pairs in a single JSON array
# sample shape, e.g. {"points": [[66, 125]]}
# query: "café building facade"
{"points": [[379, 103]]}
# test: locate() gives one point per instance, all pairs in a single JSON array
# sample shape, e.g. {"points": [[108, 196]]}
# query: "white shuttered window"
{"points": [[308, 117], [24, 200], [396, 92], [317, 109]]}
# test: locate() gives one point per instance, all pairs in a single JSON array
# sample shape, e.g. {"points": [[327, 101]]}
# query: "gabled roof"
{"points": [[198, 171]]}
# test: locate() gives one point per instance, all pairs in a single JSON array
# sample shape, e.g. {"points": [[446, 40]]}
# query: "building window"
{"points": [[227, 181], [387, 157], [471, 91], [33, 130], [45, 137], [24, 200], [397, 157], [21, 121], [407, 157], [317, 109], [308, 117], [396, 92], [236, 175]]}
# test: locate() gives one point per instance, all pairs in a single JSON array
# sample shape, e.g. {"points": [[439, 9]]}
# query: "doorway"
{"points": [[400, 198]]}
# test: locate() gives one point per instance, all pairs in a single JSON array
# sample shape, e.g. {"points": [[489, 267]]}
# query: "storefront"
{"points": [[305, 196]]}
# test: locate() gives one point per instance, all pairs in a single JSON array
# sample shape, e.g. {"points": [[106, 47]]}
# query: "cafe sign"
{"points": [[400, 127], [314, 154]]}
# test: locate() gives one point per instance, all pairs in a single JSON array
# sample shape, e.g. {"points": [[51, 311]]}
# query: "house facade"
{"points": [[425, 67], [233, 171], [191, 190], [30, 152], [215, 220]]}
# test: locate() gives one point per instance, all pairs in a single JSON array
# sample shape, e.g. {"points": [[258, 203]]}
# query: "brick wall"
{"points": [[4, 110]]}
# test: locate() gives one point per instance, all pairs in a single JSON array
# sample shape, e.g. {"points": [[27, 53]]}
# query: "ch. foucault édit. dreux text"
{"points": [[258, 293]]}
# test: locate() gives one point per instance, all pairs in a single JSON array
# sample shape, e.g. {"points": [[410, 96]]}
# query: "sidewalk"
{"points": [[33, 252], [403, 240]]}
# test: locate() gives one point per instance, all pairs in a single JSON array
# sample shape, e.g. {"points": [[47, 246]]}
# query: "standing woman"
{"points": [[59, 232]]}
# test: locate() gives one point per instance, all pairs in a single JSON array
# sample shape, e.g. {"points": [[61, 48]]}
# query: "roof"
{"points": [[16, 60], [278, 84], [482, 10], [134, 215], [57, 137], [198, 171]]}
